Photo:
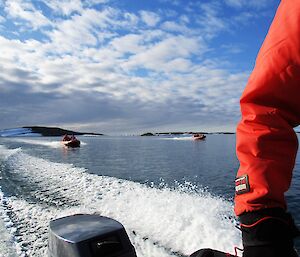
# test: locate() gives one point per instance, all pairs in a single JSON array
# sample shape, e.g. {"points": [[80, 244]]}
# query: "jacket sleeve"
{"points": [[270, 106]]}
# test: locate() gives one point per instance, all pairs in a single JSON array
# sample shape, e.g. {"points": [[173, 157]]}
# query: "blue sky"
{"points": [[128, 66]]}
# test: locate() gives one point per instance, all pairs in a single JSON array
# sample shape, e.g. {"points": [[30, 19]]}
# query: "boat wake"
{"points": [[160, 222], [42, 142], [180, 138]]}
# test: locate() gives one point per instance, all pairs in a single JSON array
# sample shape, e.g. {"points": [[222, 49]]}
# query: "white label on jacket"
{"points": [[242, 184]]}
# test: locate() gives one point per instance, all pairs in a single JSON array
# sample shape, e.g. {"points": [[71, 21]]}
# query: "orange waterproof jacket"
{"points": [[270, 106]]}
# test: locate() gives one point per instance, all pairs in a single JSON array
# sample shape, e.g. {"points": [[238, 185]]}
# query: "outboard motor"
{"points": [[85, 235]]}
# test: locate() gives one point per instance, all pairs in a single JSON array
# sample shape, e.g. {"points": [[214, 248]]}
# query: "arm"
{"points": [[270, 106]]}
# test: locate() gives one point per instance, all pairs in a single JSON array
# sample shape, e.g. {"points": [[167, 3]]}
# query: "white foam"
{"points": [[7, 244], [5, 153], [164, 221]]}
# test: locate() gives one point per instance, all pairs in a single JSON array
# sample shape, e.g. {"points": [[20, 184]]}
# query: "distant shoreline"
{"points": [[184, 133], [56, 131]]}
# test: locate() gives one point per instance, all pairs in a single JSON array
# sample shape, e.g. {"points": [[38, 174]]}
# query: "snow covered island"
{"points": [[40, 131]]}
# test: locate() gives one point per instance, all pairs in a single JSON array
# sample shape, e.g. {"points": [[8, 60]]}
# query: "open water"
{"points": [[173, 195]]}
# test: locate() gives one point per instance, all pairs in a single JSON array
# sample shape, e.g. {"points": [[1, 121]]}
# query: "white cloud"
{"points": [[15, 52], [2, 19], [178, 65], [65, 7], [86, 29], [231, 48], [66, 74], [131, 43], [157, 55], [94, 2], [184, 19], [71, 35], [244, 18], [173, 26], [172, 2], [111, 59], [210, 20], [258, 4], [24, 10], [150, 18], [128, 19], [235, 3]]}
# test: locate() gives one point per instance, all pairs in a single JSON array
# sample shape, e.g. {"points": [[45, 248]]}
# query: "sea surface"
{"points": [[172, 194]]}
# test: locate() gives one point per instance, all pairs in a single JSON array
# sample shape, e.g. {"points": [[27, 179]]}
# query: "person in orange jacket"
{"points": [[266, 142]]}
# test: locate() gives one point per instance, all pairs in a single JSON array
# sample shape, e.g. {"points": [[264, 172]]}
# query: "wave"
{"points": [[160, 222]]}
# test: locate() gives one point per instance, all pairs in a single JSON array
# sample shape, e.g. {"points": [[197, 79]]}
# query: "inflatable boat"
{"points": [[70, 141], [198, 137]]}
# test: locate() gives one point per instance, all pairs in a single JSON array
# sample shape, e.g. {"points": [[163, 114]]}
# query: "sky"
{"points": [[128, 66]]}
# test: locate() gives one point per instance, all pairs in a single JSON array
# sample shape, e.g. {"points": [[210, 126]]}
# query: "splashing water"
{"points": [[160, 222]]}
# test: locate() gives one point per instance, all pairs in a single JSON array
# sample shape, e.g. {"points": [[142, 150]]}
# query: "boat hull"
{"points": [[199, 137]]}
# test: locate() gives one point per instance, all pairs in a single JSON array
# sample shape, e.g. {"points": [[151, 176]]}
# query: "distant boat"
{"points": [[198, 137], [70, 141]]}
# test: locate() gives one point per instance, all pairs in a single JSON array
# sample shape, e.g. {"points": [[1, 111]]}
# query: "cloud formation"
{"points": [[99, 66], [258, 4]]}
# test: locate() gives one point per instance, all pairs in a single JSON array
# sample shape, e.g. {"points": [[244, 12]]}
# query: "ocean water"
{"points": [[172, 194]]}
